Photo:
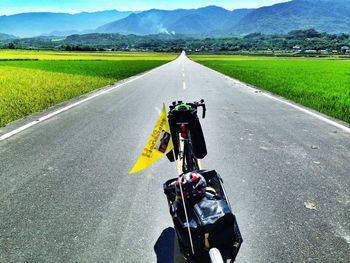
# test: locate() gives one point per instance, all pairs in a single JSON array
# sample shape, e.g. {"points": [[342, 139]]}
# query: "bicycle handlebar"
{"points": [[195, 105]]}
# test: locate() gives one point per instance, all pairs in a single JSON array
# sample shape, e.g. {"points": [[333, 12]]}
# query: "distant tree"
{"points": [[254, 36], [11, 46], [304, 39], [343, 36], [302, 34]]}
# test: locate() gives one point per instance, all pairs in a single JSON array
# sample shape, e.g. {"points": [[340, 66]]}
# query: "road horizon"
{"points": [[66, 195]]}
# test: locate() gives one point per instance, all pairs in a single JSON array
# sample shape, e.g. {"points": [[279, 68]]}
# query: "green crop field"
{"points": [[321, 84], [31, 81]]}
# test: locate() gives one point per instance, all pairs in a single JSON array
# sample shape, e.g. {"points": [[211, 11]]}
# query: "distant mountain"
{"points": [[330, 16], [35, 24], [202, 21], [323, 15], [6, 36]]}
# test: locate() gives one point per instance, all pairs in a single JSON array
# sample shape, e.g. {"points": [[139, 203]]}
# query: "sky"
{"points": [[8, 7]]}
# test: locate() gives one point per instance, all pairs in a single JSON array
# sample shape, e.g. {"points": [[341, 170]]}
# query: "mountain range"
{"points": [[45, 23], [330, 16], [6, 36], [203, 21]]}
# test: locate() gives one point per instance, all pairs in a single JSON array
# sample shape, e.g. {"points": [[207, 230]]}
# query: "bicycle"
{"points": [[184, 124], [205, 241]]}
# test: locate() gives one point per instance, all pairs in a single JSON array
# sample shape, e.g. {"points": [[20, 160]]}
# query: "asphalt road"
{"points": [[66, 195]]}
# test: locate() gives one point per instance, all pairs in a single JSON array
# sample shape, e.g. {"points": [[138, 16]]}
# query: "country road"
{"points": [[66, 195]]}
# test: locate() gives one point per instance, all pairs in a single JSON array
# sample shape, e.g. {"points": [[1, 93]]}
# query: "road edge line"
{"points": [[73, 105], [285, 101]]}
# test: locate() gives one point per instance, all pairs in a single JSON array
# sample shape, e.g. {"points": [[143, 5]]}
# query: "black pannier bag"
{"points": [[216, 220], [209, 219], [188, 116]]}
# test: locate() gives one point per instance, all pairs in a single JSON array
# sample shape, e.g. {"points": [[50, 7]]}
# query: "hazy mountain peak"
{"points": [[212, 7], [38, 23], [6, 36], [322, 15], [180, 21]]}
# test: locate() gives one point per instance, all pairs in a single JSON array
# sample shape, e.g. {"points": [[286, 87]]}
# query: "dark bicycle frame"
{"points": [[189, 161]]}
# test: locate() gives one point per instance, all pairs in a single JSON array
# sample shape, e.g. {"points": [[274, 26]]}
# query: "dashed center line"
{"points": [[184, 85]]}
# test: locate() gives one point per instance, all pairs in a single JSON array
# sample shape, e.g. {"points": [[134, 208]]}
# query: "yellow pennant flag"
{"points": [[158, 144]]}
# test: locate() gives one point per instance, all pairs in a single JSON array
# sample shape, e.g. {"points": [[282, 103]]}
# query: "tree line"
{"points": [[300, 40]]}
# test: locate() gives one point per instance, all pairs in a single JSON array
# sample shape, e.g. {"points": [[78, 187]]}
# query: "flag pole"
{"points": [[188, 223]]}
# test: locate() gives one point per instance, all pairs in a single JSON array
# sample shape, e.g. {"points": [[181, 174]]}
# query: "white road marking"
{"points": [[50, 115], [11, 133], [309, 112], [183, 74], [314, 114], [184, 85]]}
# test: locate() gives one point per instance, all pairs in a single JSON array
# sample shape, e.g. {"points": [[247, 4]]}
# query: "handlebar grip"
{"points": [[195, 105]]}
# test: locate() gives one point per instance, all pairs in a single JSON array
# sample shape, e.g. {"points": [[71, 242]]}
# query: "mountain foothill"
{"points": [[329, 16]]}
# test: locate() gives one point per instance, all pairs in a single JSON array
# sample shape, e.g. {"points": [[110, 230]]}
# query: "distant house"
{"points": [[335, 51], [324, 51], [297, 48], [345, 49], [311, 51]]}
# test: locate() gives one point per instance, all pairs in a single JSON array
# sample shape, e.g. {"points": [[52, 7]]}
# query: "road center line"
{"points": [[184, 85]]}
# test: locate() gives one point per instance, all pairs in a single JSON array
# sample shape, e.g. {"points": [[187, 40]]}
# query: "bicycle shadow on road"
{"points": [[166, 247]]}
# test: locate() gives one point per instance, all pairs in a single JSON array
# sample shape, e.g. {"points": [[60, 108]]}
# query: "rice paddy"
{"points": [[322, 84], [31, 81]]}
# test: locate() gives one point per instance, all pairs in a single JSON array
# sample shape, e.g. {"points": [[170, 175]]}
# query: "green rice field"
{"points": [[31, 81], [322, 84]]}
